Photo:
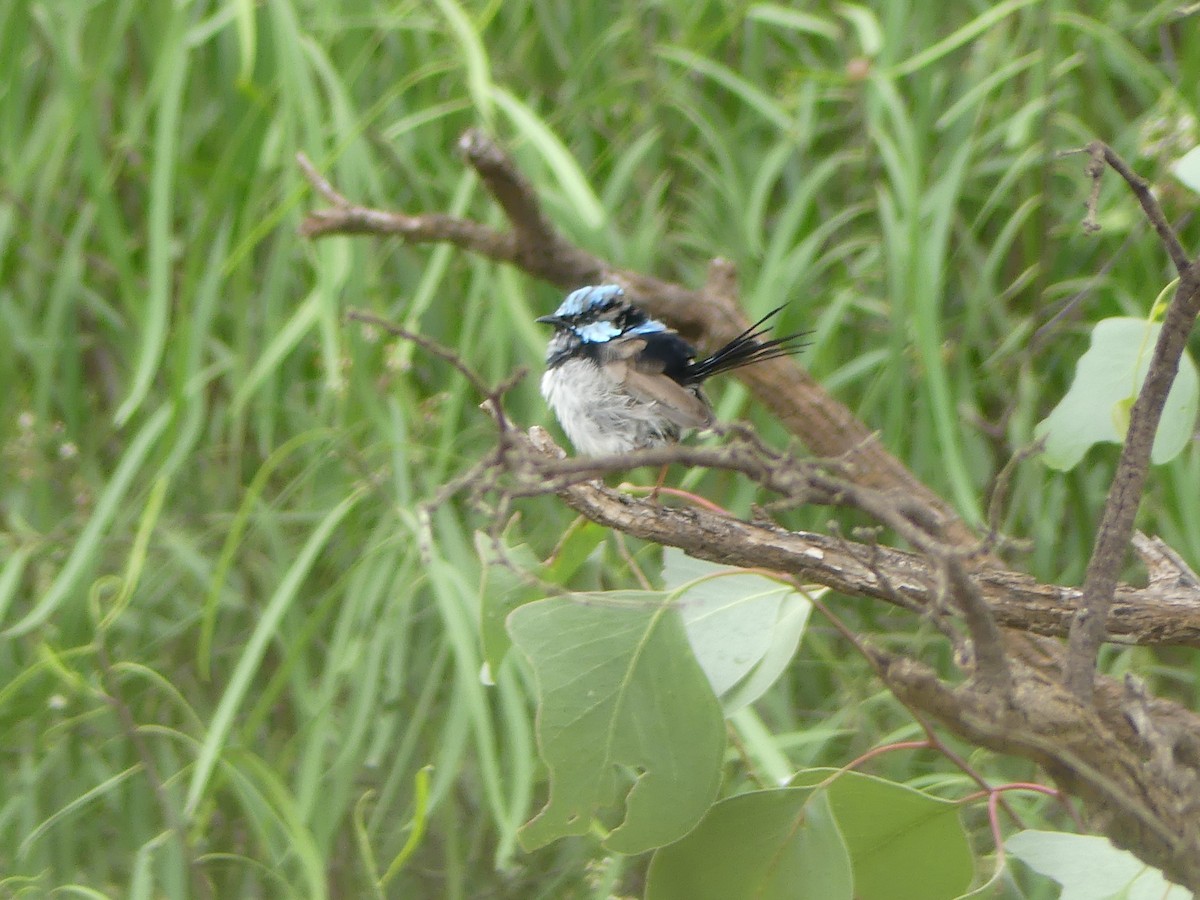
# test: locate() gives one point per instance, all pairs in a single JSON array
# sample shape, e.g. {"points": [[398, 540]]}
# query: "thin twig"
{"points": [[320, 184], [1103, 154]]}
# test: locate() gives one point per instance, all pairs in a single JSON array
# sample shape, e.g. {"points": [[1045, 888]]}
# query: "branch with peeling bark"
{"points": [[1167, 611], [1133, 759]]}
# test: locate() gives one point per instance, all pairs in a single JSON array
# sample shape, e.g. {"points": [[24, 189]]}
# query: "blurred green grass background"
{"points": [[233, 645]]}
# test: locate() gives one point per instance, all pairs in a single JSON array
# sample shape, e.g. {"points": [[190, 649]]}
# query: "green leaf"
{"points": [[750, 94], [502, 589], [506, 581], [1107, 380], [777, 14], [977, 26], [474, 57], [1091, 868], [1187, 169], [573, 550], [904, 844], [623, 711], [785, 638], [770, 845], [241, 680], [744, 628]]}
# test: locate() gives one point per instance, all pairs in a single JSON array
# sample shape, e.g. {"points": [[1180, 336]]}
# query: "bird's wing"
{"points": [[642, 375]]}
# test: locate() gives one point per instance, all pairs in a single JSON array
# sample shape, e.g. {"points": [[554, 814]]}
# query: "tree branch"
{"points": [[1165, 612], [1133, 759], [1120, 509], [710, 316]]}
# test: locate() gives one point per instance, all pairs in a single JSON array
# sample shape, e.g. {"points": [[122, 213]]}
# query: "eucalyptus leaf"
{"points": [[502, 588], [1107, 379], [771, 845], [1090, 868], [624, 713], [785, 638], [900, 843], [1187, 169], [743, 627], [904, 844]]}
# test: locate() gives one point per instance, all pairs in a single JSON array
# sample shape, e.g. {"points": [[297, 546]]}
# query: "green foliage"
{"points": [[742, 628], [1091, 868], [236, 650], [620, 700], [769, 844], [842, 835], [1107, 381], [1187, 169]]}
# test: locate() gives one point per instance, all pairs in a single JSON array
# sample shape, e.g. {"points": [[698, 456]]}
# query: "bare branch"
{"points": [[1120, 509], [511, 190], [1167, 613], [1102, 154], [991, 663]]}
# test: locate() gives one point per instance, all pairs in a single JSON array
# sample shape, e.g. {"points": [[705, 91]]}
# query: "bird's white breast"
{"points": [[597, 415]]}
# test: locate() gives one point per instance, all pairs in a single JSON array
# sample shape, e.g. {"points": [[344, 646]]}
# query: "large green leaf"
{"points": [[901, 845], [904, 844], [623, 711], [1091, 868], [1107, 380], [512, 575], [769, 845], [744, 628]]}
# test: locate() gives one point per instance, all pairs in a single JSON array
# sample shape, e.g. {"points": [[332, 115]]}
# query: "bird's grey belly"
{"points": [[597, 416]]}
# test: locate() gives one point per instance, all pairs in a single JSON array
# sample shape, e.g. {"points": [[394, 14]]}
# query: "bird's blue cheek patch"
{"points": [[597, 332], [653, 326]]}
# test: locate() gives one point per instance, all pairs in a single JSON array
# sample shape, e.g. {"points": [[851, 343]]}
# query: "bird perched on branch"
{"points": [[619, 380]]}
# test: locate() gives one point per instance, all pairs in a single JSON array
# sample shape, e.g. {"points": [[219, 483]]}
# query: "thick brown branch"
{"points": [[1092, 753], [1120, 509], [1166, 612]]}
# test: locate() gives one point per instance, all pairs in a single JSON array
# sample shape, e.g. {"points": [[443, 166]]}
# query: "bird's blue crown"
{"points": [[590, 299], [599, 313]]}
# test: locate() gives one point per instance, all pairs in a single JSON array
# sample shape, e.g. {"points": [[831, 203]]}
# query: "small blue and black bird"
{"points": [[619, 380]]}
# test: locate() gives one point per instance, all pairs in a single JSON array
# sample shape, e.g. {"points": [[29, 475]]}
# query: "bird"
{"points": [[618, 380]]}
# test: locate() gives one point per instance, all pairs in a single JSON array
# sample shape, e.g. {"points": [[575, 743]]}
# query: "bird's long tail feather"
{"points": [[748, 348]]}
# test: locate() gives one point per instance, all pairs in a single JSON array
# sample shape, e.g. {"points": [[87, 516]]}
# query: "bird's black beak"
{"points": [[556, 321]]}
